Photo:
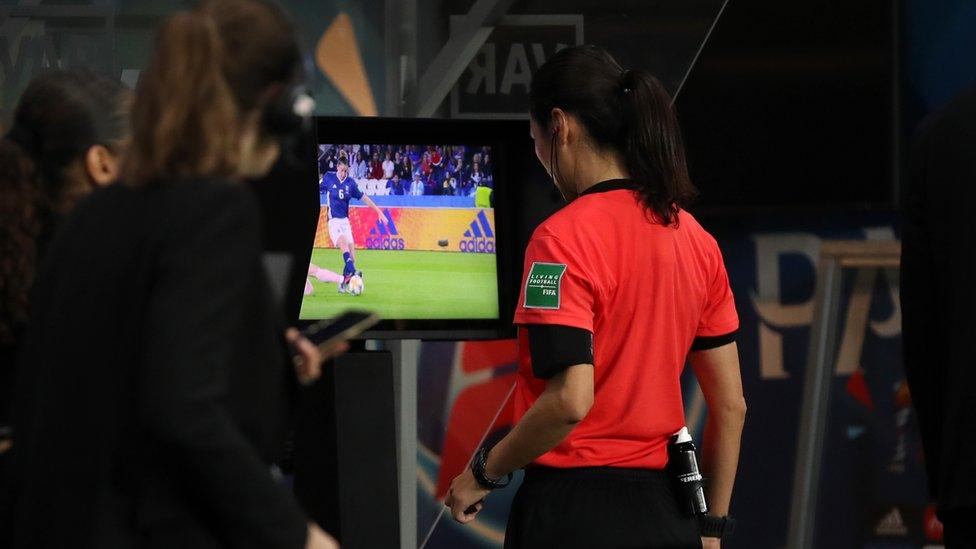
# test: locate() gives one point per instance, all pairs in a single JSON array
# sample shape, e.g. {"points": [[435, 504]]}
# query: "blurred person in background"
{"points": [[937, 299], [476, 176], [404, 169], [436, 157], [388, 167], [65, 140], [154, 381], [432, 187], [395, 186], [447, 185], [465, 188], [328, 160], [417, 186], [455, 167], [376, 167], [413, 153], [358, 168], [425, 165]]}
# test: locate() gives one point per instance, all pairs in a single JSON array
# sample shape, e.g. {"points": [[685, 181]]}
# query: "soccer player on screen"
{"points": [[322, 275], [340, 189]]}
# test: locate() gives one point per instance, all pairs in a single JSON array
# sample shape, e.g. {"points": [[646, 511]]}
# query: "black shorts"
{"points": [[598, 507]]}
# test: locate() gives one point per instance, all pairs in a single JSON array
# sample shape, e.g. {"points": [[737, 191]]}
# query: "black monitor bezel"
{"points": [[421, 131]]}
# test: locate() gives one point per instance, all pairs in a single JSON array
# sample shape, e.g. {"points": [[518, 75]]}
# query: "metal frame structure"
{"points": [[13, 19], [835, 256], [424, 96], [575, 21]]}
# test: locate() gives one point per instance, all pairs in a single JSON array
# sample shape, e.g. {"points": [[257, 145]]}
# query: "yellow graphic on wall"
{"points": [[338, 57]]}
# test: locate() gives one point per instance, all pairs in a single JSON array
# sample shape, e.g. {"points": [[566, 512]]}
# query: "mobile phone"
{"points": [[326, 333]]}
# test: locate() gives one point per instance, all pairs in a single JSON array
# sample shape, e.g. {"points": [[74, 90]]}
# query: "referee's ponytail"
{"points": [[628, 111]]}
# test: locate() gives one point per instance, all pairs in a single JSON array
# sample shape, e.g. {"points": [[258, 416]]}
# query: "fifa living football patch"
{"points": [[543, 285]]}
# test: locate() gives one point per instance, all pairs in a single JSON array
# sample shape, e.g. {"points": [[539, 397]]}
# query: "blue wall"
{"points": [[938, 54]]}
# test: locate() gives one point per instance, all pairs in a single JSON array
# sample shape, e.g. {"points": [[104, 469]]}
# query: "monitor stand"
{"points": [[346, 451]]}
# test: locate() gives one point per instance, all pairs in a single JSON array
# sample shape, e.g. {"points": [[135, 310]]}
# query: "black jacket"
{"points": [[153, 384], [938, 294]]}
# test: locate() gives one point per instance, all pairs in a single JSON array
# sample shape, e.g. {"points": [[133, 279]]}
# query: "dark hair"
{"points": [[61, 115], [210, 67], [343, 161], [624, 110]]}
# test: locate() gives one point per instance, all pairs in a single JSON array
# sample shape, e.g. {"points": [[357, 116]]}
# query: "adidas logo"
{"points": [[479, 238], [387, 228], [480, 227], [891, 525]]}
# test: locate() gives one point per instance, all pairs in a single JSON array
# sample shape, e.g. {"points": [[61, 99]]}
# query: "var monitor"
{"points": [[405, 230]]}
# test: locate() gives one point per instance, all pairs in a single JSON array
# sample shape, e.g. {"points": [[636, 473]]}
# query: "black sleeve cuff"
{"points": [[554, 348], [711, 342]]}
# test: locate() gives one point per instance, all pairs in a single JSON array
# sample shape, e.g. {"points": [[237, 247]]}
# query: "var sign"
{"points": [[496, 82]]}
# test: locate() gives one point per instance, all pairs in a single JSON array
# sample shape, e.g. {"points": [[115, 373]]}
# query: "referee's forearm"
{"points": [[541, 429], [720, 456]]}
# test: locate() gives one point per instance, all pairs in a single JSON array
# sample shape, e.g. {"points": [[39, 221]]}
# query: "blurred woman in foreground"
{"points": [[65, 140], [155, 375]]}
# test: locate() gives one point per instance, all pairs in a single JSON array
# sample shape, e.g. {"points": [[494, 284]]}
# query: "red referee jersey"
{"points": [[646, 292]]}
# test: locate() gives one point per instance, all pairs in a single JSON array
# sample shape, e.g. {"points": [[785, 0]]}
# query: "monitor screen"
{"points": [[406, 231]]}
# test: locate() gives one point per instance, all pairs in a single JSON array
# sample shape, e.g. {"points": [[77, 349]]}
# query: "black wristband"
{"points": [[478, 465], [716, 527]]}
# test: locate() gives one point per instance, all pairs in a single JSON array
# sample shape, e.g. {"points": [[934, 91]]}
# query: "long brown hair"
{"points": [[624, 110], [210, 67], [60, 116]]}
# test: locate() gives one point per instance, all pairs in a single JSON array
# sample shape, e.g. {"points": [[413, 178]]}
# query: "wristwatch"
{"points": [[716, 527], [478, 465]]}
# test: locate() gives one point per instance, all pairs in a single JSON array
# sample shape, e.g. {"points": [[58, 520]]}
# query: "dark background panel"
{"points": [[791, 104]]}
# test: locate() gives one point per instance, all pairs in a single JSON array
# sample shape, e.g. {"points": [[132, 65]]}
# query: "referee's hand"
{"points": [[465, 497]]}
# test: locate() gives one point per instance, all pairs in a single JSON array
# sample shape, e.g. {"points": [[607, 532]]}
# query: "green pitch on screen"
{"points": [[409, 285]]}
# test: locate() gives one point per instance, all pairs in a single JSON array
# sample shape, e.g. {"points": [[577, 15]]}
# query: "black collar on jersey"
{"points": [[611, 185]]}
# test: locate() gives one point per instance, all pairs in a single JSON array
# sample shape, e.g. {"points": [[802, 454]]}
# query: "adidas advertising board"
{"points": [[456, 230]]}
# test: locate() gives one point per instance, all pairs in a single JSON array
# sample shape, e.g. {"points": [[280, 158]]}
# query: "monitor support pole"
{"points": [[405, 357]]}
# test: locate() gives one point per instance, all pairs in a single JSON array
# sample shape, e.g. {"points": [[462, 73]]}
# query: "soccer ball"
{"points": [[355, 285]]}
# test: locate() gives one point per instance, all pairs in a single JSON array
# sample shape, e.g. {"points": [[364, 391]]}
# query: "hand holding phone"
{"points": [[325, 340], [325, 333], [308, 358]]}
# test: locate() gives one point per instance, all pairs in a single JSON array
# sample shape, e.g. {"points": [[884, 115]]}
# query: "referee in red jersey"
{"points": [[620, 289]]}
